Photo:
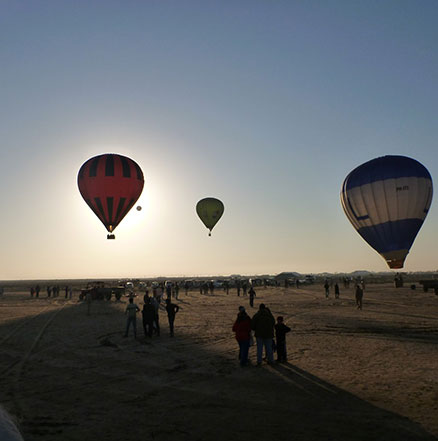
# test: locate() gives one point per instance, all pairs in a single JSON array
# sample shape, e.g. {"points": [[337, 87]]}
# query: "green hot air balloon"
{"points": [[210, 210]]}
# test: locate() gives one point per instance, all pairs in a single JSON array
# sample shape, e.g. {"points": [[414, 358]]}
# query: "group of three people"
{"points": [[150, 315], [263, 324]]}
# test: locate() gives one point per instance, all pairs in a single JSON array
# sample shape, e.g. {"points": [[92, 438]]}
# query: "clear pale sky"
{"points": [[266, 105]]}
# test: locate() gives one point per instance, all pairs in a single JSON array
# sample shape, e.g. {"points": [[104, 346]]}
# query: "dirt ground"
{"points": [[351, 375]]}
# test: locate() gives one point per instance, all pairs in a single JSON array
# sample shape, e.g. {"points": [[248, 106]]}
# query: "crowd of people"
{"points": [[269, 333], [52, 291]]}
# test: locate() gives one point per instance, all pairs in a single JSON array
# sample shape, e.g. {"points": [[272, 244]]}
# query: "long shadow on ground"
{"points": [[82, 380]]}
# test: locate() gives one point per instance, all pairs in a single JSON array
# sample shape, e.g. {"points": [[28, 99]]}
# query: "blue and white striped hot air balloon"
{"points": [[387, 199]]}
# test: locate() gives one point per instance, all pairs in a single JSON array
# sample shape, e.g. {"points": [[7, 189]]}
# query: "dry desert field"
{"points": [[351, 375]]}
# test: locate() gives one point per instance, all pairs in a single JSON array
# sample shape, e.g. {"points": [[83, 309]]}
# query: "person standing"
{"points": [[263, 325], [171, 309], [336, 291], [227, 286], [244, 287], [242, 328], [252, 294], [131, 312], [359, 296], [156, 323], [168, 290], [280, 335], [148, 318], [327, 289]]}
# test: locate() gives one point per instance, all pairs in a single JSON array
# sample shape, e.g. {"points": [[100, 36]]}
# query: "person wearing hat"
{"points": [[242, 329]]}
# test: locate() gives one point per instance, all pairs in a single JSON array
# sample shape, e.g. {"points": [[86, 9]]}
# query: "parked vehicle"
{"points": [[99, 291]]}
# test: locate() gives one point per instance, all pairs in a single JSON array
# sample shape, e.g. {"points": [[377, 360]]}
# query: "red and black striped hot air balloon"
{"points": [[110, 184]]}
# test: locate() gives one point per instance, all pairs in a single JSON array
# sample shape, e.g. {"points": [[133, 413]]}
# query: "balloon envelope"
{"points": [[110, 184], [210, 210], [387, 199]]}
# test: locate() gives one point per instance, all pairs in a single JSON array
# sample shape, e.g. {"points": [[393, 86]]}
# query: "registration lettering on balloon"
{"points": [[386, 200]]}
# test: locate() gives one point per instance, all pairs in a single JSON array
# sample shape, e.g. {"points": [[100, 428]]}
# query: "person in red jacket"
{"points": [[242, 328]]}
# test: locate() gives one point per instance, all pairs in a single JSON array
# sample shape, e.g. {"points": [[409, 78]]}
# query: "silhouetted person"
{"points": [[280, 335], [226, 287], [336, 291], [263, 325], [327, 289], [242, 328], [168, 291], [359, 296], [171, 309], [252, 294], [148, 314], [131, 312], [156, 304], [244, 288], [37, 291]]}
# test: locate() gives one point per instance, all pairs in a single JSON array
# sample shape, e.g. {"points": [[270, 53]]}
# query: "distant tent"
{"points": [[286, 275]]}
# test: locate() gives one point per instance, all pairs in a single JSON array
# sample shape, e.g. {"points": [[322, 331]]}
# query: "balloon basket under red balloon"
{"points": [[110, 236], [209, 234]]}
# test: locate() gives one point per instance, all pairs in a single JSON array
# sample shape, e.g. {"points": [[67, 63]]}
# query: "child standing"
{"points": [[280, 333]]}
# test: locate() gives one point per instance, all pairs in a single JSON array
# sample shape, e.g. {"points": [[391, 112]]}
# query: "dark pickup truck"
{"points": [[99, 291]]}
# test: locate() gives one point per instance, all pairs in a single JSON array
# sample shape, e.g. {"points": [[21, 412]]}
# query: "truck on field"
{"points": [[99, 291]]}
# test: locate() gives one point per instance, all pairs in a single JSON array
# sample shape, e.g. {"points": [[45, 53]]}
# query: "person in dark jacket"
{"points": [[263, 324], [280, 335], [171, 309], [359, 296], [242, 328], [327, 289], [148, 317], [252, 294], [336, 291]]}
